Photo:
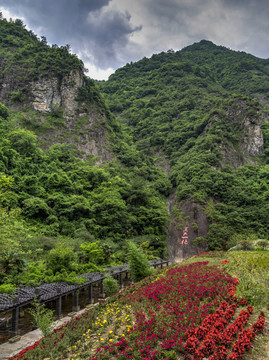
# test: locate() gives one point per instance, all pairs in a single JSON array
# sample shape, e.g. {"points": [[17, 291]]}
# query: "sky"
{"points": [[107, 34]]}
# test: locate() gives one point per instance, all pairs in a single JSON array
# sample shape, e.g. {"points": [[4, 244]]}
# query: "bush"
{"points": [[43, 318], [60, 258], [138, 262], [92, 252], [3, 111], [262, 243], [111, 285], [7, 288], [246, 245]]}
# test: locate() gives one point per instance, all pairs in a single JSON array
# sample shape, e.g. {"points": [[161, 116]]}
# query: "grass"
{"points": [[252, 269]]}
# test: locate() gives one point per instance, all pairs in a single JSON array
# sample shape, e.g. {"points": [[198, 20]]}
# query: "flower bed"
{"points": [[214, 337], [166, 308], [184, 311]]}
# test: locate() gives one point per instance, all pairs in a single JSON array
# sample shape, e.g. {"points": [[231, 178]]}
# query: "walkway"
{"points": [[7, 349]]}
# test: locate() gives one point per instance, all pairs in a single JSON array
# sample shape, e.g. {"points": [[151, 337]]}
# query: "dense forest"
{"points": [[186, 120]]}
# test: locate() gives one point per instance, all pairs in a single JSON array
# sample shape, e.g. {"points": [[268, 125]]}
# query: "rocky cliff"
{"points": [[53, 91], [84, 121], [245, 122]]}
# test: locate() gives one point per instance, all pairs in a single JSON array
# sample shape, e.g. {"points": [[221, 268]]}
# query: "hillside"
{"points": [[177, 144], [73, 185], [204, 111]]}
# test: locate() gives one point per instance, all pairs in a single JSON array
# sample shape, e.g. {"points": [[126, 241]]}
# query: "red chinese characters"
{"points": [[184, 237]]}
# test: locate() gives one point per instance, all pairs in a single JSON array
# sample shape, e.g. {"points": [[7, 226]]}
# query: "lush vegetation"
{"points": [[25, 57], [188, 311], [192, 108], [61, 216], [57, 210]]}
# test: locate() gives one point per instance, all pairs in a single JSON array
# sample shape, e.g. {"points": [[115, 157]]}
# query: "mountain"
{"points": [[204, 112], [51, 81], [170, 150], [70, 173]]}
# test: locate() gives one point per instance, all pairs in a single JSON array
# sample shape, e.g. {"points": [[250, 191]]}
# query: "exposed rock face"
{"points": [[51, 91], [187, 221], [84, 122], [253, 140], [245, 122], [89, 137]]}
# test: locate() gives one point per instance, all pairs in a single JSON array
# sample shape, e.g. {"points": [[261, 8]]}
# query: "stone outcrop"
{"points": [[187, 221], [252, 143], [84, 122], [52, 91], [249, 122], [246, 124]]}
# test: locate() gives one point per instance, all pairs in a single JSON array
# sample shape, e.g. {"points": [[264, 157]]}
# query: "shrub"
{"points": [[7, 288], [111, 285], [60, 258], [246, 245], [43, 318], [92, 252], [3, 111], [138, 262], [262, 243]]}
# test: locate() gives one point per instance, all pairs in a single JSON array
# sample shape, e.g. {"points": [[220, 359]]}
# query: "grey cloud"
{"points": [[173, 8], [109, 33], [48, 13], [254, 24], [99, 34]]}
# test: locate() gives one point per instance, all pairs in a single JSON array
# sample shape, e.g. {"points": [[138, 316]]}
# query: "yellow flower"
{"points": [[102, 339], [110, 340]]}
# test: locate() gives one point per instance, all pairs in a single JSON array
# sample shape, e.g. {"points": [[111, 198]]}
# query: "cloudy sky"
{"points": [[106, 34]]}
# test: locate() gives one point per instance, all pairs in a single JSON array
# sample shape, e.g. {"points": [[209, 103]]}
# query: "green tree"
{"points": [[60, 258], [43, 317], [3, 111], [138, 262], [111, 285], [23, 141], [92, 252]]}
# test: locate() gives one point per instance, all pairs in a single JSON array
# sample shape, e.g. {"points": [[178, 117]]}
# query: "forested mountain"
{"points": [[175, 147], [204, 109], [73, 185]]}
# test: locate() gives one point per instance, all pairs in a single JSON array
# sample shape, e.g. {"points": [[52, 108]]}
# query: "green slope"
{"points": [[203, 107]]}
